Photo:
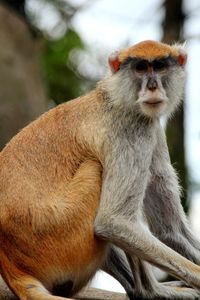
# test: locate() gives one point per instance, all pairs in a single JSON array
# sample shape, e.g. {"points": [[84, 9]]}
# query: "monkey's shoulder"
{"points": [[69, 131]]}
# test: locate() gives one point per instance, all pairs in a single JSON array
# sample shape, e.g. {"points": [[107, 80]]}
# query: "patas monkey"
{"points": [[89, 174]]}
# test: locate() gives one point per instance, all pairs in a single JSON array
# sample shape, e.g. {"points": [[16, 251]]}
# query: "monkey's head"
{"points": [[149, 76]]}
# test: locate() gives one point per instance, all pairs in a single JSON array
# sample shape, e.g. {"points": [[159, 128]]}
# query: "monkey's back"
{"points": [[50, 181]]}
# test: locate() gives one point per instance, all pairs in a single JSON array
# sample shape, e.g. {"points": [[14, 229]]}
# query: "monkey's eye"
{"points": [[159, 65], [141, 66]]}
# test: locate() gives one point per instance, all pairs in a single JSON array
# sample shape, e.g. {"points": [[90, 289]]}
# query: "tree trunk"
{"points": [[172, 32], [22, 94]]}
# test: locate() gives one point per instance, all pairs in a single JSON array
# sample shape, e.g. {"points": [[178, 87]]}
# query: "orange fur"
{"points": [[149, 50], [50, 181]]}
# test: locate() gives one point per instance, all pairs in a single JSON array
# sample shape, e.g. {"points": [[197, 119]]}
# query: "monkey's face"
{"points": [[152, 84], [159, 85]]}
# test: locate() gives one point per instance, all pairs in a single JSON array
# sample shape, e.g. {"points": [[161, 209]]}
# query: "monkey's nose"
{"points": [[152, 84]]}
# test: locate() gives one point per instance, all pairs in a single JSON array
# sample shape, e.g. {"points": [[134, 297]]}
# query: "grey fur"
{"points": [[139, 182], [117, 266]]}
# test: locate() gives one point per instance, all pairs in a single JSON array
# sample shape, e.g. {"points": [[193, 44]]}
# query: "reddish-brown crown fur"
{"points": [[149, 50]]}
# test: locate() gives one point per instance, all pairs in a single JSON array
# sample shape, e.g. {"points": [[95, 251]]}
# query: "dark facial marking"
{"points": [[141, 66], [160, 65], [144, 66]]}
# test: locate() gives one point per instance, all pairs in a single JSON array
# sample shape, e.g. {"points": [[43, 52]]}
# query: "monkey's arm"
{"points": [[119, 218], [163, 207]]}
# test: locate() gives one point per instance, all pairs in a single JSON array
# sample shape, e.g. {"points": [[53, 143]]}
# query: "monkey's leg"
{"points": [[177, 235], [54, 260], [163, 207], [144, 280], [171, 227], [117, 266], [143, 283], [147, 286], [118, 221], [137, 240], [25, 286]]}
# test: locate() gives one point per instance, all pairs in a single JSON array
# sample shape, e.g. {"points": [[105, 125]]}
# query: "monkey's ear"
{"points": [[182, 53], [114, 62], [182, 59]]}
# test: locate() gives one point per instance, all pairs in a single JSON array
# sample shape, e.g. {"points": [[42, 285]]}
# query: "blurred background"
{"points": [[55, 50]]}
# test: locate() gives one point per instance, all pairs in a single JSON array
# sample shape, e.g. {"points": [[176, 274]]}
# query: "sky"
{"points": [[113, 23], [110, 24]]}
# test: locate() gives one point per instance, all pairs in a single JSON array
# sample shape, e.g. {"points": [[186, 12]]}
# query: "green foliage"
{"points": [[63, 83]]}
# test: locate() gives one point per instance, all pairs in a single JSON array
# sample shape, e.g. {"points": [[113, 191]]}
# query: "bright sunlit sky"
{"points": [[110, 24]]}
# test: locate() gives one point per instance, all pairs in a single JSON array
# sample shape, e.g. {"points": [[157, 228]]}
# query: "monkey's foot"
{"points": [[169, 292]]}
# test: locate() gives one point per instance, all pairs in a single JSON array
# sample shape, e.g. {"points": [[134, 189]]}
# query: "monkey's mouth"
{"points": [[154, 102]]}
